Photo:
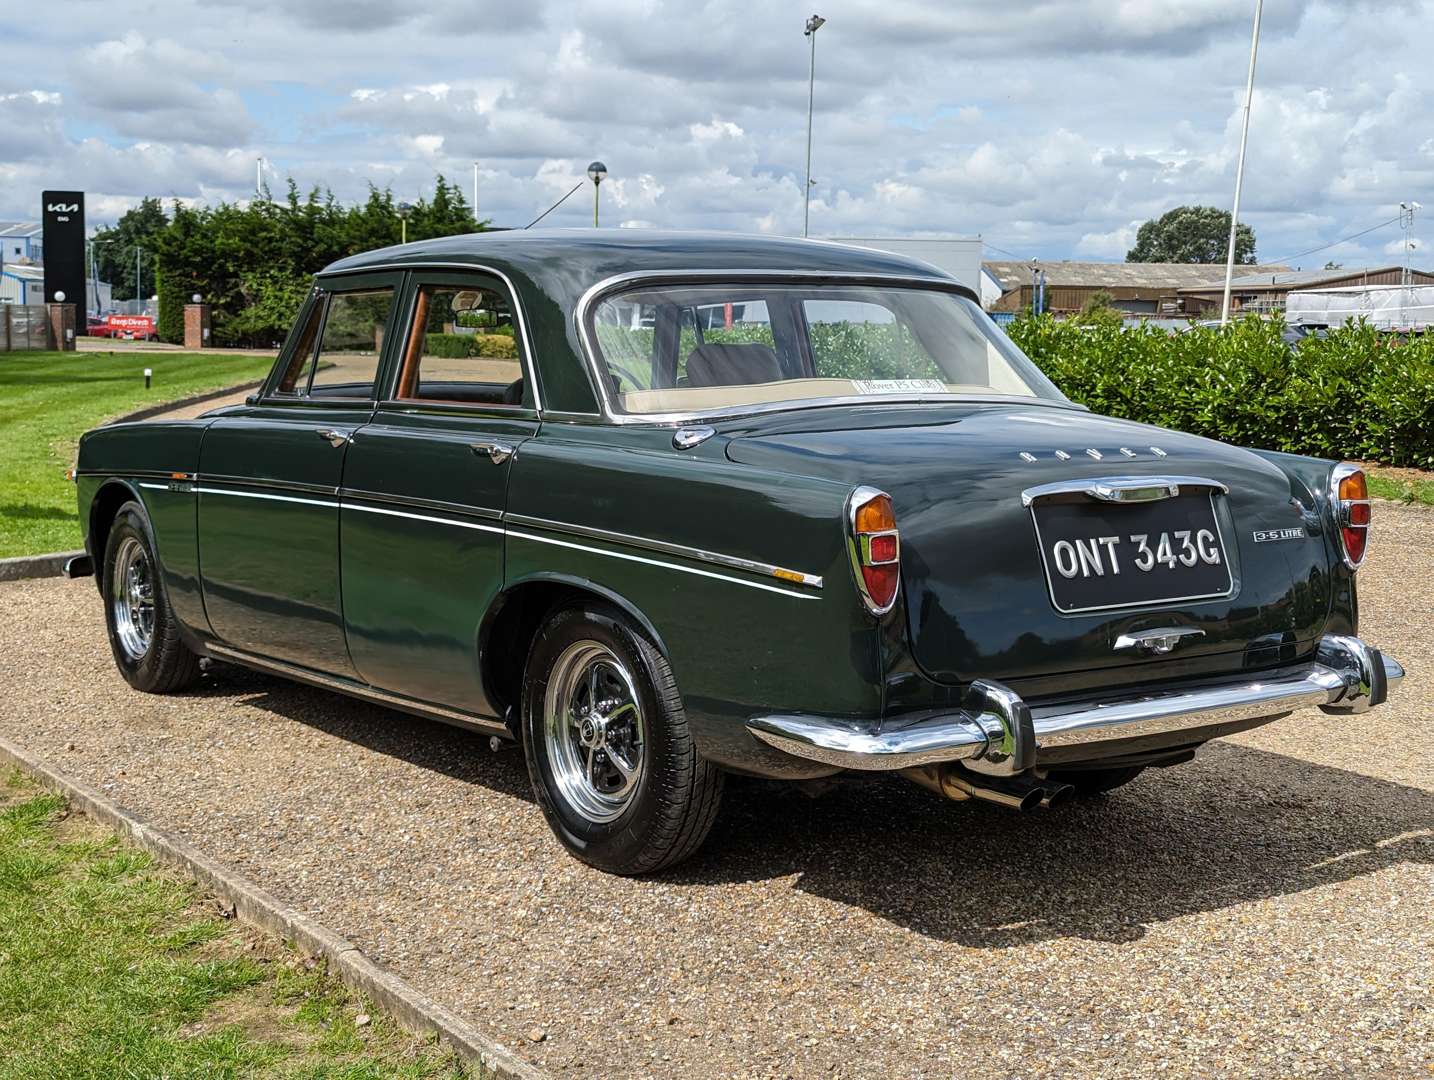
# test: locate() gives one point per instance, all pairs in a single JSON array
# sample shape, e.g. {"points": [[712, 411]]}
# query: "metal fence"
{"points": [[24, 326]]}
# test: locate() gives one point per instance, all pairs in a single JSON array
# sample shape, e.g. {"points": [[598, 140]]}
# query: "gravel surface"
{"points": [[1262, 911]]}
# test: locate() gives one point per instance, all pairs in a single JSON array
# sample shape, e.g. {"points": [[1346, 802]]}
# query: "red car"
{"points": [[127, 327]]}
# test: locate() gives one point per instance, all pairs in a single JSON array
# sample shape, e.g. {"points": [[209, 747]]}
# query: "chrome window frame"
{"points": [[592, 355]]}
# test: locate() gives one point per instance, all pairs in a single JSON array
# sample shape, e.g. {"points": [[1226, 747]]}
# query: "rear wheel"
{"points": [[144, 634], [1096, 781], [609, 753]]}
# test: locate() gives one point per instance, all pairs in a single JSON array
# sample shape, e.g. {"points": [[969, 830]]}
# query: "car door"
{"points": [[424, 489], [269, 478]]}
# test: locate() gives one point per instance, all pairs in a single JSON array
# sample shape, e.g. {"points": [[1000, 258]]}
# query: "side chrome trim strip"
{"points": [[359, 690], [1122, 488], [424, 517], [346, 497], [423, 504], [658, 562], [681, 550], [258, 482], [265, 495]]}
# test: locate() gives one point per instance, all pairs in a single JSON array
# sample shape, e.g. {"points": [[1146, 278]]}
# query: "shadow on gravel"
{"points": [[1234, 826], [427, 744]]}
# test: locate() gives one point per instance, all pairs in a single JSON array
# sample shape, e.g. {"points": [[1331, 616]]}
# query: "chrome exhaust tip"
{"points": [[1054, 794]]}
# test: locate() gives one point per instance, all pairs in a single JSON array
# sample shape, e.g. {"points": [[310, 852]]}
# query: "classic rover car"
{"points": [[665, 506]]}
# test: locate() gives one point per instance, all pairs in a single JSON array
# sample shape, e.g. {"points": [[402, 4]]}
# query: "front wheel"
{"points": [[609, 753], [143, 631]]}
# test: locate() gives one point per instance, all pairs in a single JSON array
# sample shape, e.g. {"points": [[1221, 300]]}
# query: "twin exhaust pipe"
{"points": [[1024, 792]]}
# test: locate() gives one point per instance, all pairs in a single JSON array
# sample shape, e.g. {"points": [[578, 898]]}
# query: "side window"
{"points": [[352, 340], [294, 379], [463, 349]]}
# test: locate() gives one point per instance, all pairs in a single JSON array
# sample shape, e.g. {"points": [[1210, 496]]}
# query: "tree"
{"points": [[1191, 234], [1099, 310], [114, 249], [253, 262]]}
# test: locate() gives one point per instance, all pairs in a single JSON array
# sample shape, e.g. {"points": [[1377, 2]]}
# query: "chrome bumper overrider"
{"points": [[996, 732]]}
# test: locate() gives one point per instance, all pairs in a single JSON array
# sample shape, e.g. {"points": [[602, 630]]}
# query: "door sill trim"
{"points": [[442, 713]]}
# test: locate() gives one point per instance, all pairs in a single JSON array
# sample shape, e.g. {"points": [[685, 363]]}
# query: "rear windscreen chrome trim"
{"points": [[591, 354]]}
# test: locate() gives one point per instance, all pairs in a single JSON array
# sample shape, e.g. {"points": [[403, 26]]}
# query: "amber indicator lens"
{"points": [[1353, 486], [876, 516]]}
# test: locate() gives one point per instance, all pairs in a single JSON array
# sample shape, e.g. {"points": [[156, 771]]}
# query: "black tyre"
{"points": [[1089, 782], [144, 634], [609, 752]]}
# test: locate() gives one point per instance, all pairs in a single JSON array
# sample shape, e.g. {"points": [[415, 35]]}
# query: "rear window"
{"points": [[671, 348]]}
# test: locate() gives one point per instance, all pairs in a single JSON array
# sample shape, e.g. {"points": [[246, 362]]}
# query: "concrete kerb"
{"points": [[253, 905], [150, 411], [33, 566]]}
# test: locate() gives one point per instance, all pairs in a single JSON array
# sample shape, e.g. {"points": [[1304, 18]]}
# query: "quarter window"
{"points": [[352, 342], [463, 349], [296, 374]]}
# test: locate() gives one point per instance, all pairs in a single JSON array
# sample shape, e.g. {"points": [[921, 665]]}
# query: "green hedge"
{"points": [[492, 346], [1355, 394]]}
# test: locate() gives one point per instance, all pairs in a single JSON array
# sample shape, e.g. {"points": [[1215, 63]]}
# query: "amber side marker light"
{"points": [[875, 547], [1349, 495]]}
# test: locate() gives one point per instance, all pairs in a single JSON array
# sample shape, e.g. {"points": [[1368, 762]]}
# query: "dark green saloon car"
{"points": [[661, 507]]}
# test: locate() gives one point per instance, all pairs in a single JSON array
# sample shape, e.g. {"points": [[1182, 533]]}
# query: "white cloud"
{"points": [[1052, 127]]}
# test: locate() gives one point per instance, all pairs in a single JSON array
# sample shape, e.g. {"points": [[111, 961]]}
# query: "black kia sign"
{"points": [[64, 238]]}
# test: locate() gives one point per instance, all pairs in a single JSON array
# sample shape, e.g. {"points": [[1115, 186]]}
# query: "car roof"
{"points": [[566, 262], [551, 269]]}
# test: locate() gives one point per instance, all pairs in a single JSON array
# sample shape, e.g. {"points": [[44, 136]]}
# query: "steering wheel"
{"points": [[626, 373]]}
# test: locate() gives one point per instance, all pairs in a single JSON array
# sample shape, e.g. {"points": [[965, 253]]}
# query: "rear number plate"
{"points": [[1101, 556]]}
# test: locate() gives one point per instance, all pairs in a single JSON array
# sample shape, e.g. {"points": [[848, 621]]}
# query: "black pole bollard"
{"points": [[147, 373]]}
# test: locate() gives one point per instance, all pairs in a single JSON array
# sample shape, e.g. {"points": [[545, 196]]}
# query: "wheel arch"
{"points": [[109, 497], [513, 620]]}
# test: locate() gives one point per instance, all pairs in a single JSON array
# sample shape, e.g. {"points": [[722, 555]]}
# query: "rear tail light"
{"points": [[875, 548], [1349, 496]]}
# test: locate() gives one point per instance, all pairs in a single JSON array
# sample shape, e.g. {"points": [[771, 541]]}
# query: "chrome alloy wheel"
{"points": [[132, 599], [593, 731]]}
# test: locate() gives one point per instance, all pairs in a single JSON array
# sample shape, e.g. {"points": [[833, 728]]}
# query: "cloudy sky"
{"points": [[1048, 128]]}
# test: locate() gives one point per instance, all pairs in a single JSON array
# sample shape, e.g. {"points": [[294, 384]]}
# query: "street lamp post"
{"points": [[597, 173], [475, 192], [1240, 166], [814, 24], [404, 209]]}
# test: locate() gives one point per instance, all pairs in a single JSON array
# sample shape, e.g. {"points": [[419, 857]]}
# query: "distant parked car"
{"points": [[723, 504]]}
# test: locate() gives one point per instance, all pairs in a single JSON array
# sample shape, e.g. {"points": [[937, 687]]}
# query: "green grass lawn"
{"points": [[112, 967], [1402, 486], [47, 400]]}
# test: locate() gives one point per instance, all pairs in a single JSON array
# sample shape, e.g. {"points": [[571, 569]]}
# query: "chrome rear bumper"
{"points": [[996, 732]]}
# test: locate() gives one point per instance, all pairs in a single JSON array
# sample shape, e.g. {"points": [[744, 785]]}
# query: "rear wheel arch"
{"points": [[513, 621], [111, 495]]}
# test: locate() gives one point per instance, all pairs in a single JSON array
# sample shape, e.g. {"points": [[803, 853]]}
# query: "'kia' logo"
{"points": [[62, 208]]}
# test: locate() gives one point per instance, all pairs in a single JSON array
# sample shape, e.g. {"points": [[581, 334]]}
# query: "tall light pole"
{"points": [[1406, 222], [404, 209], [815, 23], [258, 178], [597, 173], [1240, 166], [475, 192]]}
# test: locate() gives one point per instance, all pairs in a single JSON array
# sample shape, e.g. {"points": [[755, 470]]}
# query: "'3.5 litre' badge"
{"points": [[1266, 536]]}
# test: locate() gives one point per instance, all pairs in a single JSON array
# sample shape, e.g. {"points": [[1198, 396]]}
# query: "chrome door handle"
{"points": [[334, 438], [498, 452]]}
